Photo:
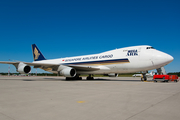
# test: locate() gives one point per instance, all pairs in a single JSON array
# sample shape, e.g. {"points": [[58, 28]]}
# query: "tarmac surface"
{"points": [[121, 98]]}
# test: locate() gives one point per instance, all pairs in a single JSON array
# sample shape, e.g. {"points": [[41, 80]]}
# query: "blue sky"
{"points": [[64, 28]]}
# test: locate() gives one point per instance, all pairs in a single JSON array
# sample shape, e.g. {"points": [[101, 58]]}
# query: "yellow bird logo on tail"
{"points": [[36, 53]]}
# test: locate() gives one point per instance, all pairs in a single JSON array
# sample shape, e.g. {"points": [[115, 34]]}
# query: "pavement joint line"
{"points": [[151, 106], [7, 116]]}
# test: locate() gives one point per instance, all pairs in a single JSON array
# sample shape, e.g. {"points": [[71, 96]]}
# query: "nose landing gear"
{"points": [[143, 77]]}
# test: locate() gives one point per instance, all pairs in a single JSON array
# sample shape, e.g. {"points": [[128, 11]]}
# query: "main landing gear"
{"points": [[80, 78], [90, 77], [74, 78]]}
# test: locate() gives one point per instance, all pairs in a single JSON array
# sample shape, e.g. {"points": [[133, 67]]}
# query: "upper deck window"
{"points": [[149, 48]]}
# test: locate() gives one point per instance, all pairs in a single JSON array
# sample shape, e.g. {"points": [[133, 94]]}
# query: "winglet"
{"points": [[37, 55]]}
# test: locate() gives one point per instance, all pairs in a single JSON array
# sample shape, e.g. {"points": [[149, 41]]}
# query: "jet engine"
{"points": [[23, 68], [113, 75], [68, 72]]}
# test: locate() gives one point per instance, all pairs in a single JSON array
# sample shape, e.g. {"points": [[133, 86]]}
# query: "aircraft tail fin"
{"points": [[37, 55]]}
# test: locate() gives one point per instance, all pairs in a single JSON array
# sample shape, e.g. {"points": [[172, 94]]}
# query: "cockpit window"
{"points": [[149, 48]]}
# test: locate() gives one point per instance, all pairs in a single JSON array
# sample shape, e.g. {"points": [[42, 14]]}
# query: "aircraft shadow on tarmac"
{"points": [[43, 79], [63, 79], [96, 79], [84, 79], [101, 79]]}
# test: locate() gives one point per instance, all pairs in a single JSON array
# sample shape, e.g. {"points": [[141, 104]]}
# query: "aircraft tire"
{"points": [[68, 78], [80, 78], [89, 78]]}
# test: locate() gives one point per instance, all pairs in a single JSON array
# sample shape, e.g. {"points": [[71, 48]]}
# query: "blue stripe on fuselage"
{"points": [[100, 62]]}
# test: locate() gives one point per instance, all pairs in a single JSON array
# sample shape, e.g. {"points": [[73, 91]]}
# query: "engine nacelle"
{"points": [[23, 68], [68, 72], [113, 75]]}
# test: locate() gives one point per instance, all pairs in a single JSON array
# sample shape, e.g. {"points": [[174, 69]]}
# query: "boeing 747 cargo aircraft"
{"points": [[123, 60]]}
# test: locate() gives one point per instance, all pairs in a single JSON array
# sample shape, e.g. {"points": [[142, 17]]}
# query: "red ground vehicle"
{"points": [[165, 78]]}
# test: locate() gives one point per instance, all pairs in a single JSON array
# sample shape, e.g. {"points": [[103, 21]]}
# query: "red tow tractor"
{"points": [[165, 78]]}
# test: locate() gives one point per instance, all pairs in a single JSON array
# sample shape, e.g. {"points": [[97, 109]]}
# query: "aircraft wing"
{"points": [[7, 62], [47, 66], [55, 66], [30, 64]]}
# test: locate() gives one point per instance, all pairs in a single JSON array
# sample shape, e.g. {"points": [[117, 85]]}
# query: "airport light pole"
{"points": [[36, 71], [9, 69]]}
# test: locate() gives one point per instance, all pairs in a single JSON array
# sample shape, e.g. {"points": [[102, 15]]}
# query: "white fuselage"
{"points": [[123, 60]]}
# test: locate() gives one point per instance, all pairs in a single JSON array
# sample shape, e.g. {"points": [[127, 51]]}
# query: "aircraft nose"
{"points": [[161, 58], [169, 58]]}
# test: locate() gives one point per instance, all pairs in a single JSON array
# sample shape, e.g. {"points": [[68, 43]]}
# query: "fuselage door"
{"points": [[146, 55]]}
